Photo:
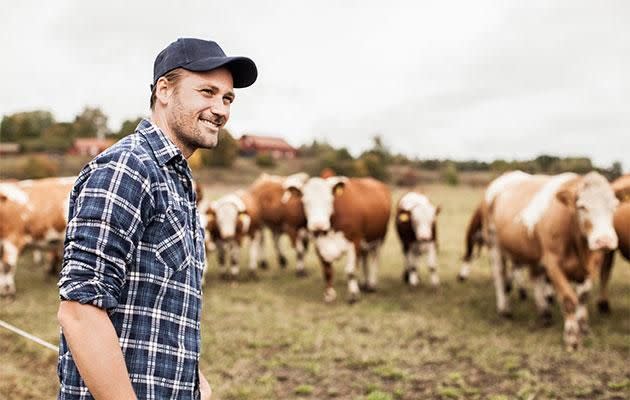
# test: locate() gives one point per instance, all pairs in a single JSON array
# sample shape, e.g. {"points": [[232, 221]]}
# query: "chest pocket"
{"points": [[176, 249]]}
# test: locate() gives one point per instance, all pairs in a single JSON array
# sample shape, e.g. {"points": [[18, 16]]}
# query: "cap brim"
{"points": [[243, 69]]}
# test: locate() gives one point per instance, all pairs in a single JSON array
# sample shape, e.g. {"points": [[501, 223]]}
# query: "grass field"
{"points": [[274, 338]]}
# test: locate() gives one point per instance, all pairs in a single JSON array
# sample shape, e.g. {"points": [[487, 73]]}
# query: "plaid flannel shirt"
{"points": [[134, 247]]}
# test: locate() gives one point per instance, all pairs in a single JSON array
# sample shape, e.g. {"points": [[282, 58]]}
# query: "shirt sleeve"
{"points": [[108, 213]]}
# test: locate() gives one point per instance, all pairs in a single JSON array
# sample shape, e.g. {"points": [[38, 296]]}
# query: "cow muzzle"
{"points": [[604, 242]]}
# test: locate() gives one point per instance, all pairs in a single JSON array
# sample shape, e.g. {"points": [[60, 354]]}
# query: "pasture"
{"points": [[274, 338]]}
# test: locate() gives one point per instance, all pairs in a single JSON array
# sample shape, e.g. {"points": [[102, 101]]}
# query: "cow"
{"points": [[228, 221], [514, 276], [416, 224], [33, 214], [560, 226], [621, 221], [346, 216], [282, 213]]}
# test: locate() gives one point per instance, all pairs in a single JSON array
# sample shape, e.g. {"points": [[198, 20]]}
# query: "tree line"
{"points": [[38, 131]]}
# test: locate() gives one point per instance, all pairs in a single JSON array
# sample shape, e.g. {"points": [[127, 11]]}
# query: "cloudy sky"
{"points": [[459, 79]]}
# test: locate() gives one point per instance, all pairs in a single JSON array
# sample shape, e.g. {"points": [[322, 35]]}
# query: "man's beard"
{"points": [[185, 129]]}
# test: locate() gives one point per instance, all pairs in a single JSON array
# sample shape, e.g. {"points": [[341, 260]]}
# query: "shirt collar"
{"points": [[163, 149]]}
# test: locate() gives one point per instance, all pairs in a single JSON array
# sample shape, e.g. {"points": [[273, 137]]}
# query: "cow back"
{"points": [[362, 209]]}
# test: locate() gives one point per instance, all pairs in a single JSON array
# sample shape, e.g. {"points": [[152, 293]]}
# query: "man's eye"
{"points": [[207, 91], [228, 100]]}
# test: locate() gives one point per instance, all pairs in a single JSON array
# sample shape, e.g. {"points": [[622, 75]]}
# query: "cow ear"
{"points": [[245, 220], [339, 188], [289, 192], [623, 194], [403, 216], [567, 197]]}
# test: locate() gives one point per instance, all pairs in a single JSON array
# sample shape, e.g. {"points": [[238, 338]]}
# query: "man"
{"points": [[131, 279]]}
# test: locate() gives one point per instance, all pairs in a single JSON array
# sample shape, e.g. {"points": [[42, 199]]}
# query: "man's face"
{"points": [[199, 107]]}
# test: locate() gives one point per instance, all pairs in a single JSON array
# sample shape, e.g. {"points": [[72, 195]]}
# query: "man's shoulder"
{"points": [[131, 154], [134, 147]]}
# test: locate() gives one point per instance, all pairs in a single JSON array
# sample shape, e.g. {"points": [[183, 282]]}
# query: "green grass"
{"points": [[275, 338]]}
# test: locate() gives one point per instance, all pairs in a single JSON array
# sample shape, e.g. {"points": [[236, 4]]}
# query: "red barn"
{"points": [[252, 145], [90, 146]]}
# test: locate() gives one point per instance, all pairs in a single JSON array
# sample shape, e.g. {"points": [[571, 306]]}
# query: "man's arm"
{"points": [[95, 350], [204, 387]]}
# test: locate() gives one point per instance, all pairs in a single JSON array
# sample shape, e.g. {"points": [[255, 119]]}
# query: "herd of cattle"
{"points": [[564, 229]]}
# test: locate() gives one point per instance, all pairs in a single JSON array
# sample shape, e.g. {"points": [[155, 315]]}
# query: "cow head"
{"points": [[592, 199], [318, 196], [229, 215], [418, 210]]}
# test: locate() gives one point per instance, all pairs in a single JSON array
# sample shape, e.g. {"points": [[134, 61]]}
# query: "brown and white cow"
{"points": [[228, 221], [564, 223], [621, 221], [33, 213], [514, 276], [346, 216], [416, 224], [282, 213]]}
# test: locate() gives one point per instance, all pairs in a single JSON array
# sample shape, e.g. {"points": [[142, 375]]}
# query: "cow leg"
{"points": [[329, 292], [582, 291], [520, 279], [508, 275], [8, 263], [498, 270], [254, 250], [37, 256], [263, 263], [222, 250], [604, 277], [235, 253], [56, 257], [353, 285], [282, 259], [568, 301], [594, 265], [464, 271], [540, 298], [411, 274], [432, 264], [372, 261], [300, 242]]}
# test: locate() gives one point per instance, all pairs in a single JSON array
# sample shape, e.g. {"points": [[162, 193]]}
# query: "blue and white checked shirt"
{"points": [[134, 246]]}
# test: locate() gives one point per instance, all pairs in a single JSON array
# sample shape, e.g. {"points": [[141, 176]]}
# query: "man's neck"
{"points": [[159, 119]]}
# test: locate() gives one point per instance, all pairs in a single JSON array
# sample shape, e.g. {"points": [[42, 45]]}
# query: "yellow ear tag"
{"points": [[242, 217], [403, 217], [338, 190]]}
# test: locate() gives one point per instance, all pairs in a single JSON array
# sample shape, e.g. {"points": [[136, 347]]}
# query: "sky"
{"points": [[435, 79]]}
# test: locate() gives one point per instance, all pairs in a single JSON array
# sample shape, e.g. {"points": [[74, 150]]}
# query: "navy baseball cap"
{"points": [[203, 55]]}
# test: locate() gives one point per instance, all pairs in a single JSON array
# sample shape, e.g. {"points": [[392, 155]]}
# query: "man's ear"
{"points": [[163, 90]]}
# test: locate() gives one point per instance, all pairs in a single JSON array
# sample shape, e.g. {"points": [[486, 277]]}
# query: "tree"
{"points": [[224, 154], [92, 122], [127, 127], [24, 126], [58, 137]]}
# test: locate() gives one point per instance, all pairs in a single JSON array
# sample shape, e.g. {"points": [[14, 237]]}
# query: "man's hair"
{"points": [[171, 76]]}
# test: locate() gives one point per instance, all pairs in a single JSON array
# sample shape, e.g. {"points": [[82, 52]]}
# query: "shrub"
{"points": [[264, 160], [41, 166]]}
